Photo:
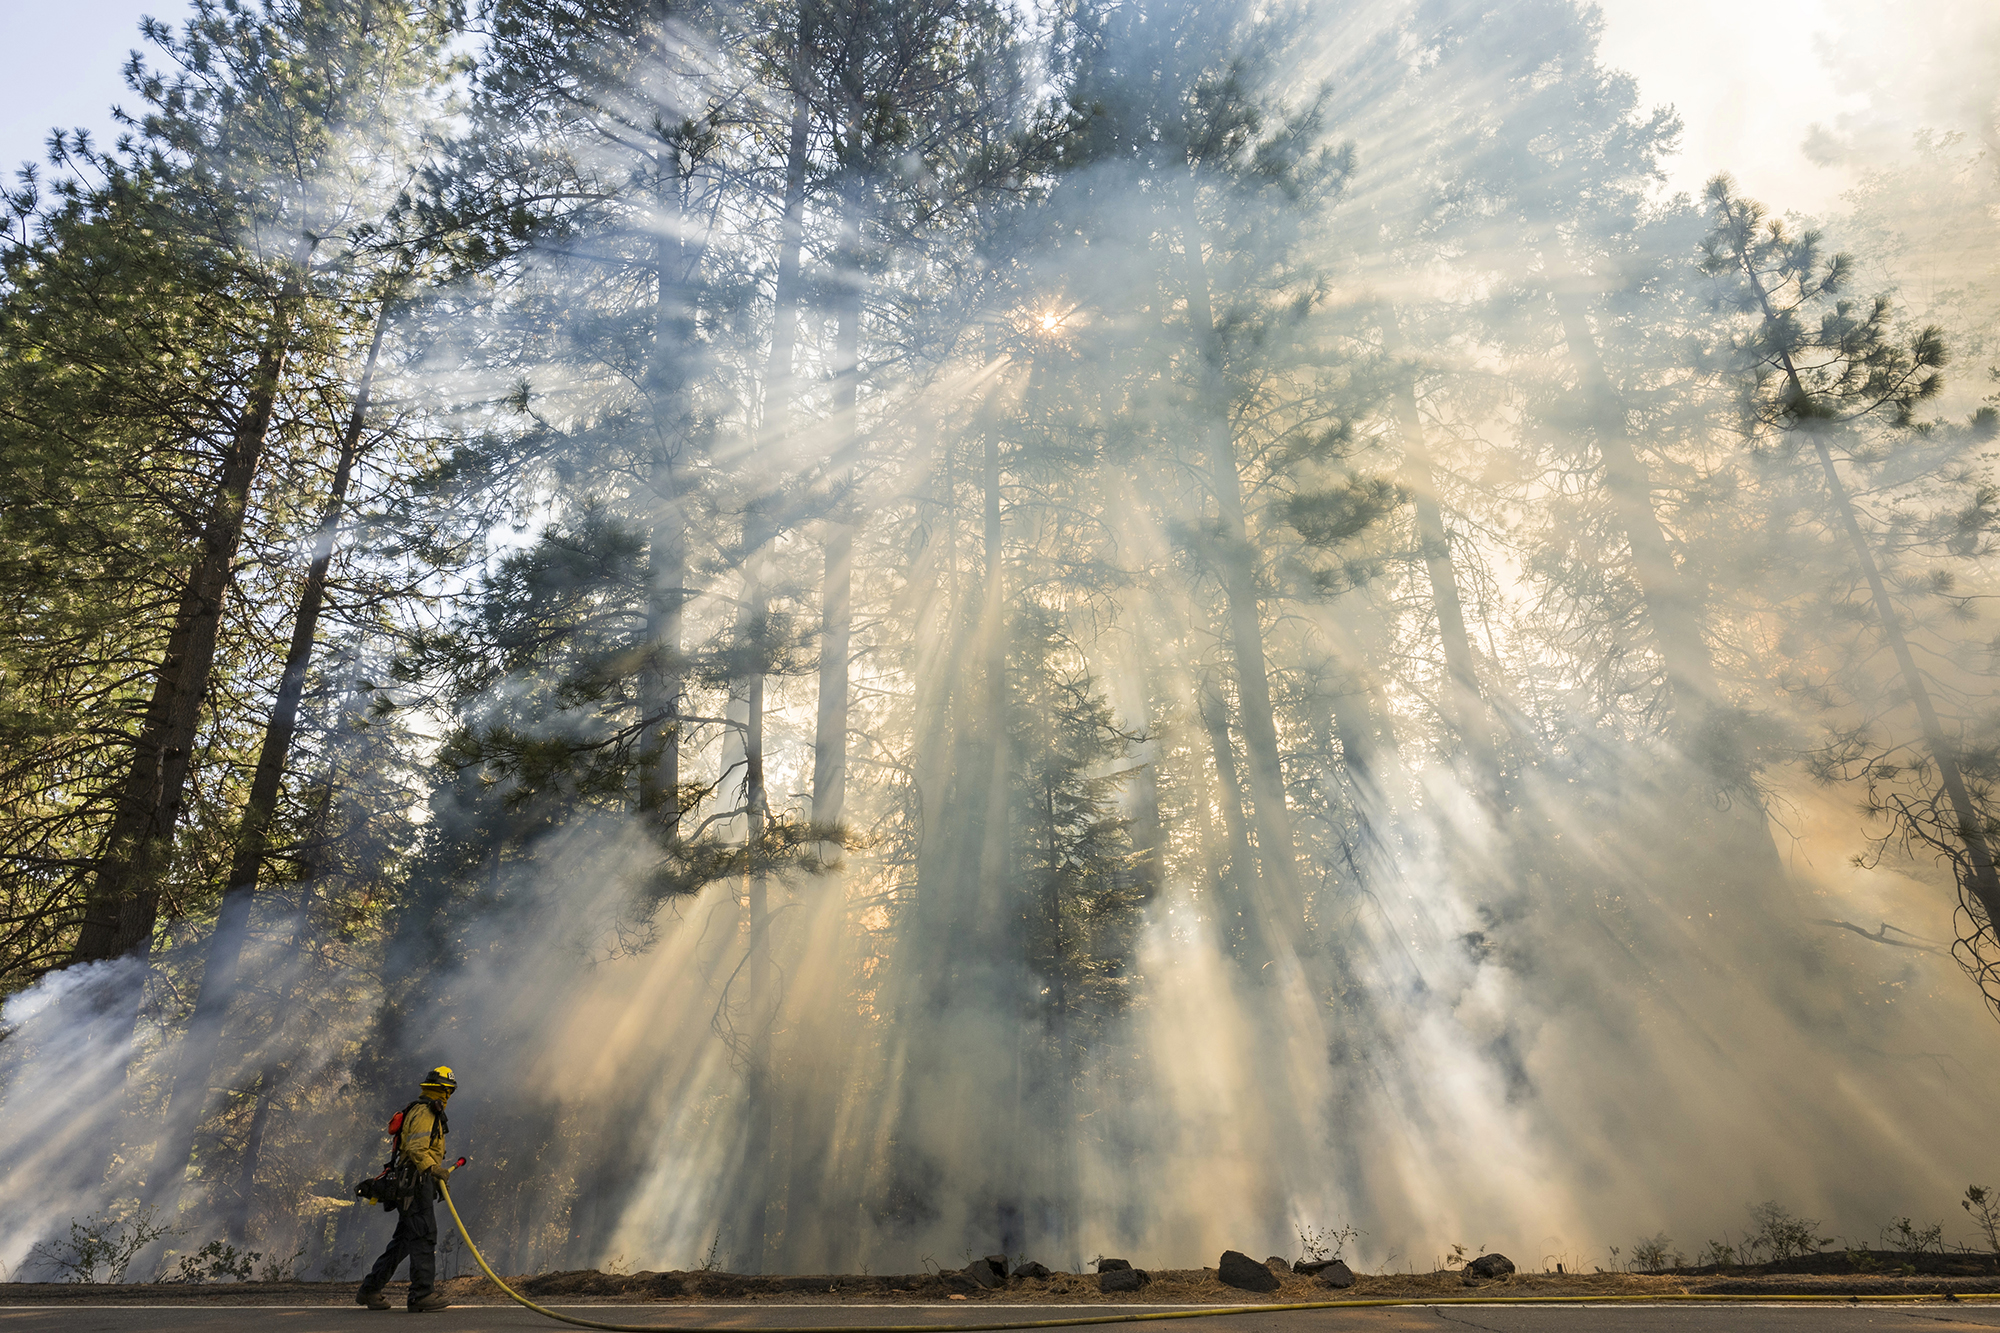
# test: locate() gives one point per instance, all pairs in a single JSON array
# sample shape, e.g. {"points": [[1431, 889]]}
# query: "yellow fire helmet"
{"points": [[440, 1079]]}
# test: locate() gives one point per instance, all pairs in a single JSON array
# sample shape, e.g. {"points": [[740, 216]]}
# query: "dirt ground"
{"points": [[1832, 1274]]}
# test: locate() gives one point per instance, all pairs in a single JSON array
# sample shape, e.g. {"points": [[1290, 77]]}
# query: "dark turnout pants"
{"points": [[416, 1239]]}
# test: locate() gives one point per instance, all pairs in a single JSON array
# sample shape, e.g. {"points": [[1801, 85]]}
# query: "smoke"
{"points": [[1547, 1091], [1927, 71], [1544, 1013], [62, 1075]]}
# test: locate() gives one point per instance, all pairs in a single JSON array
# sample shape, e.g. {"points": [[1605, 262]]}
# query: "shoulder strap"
{"points": [[439, 1125], [403, 1127]]}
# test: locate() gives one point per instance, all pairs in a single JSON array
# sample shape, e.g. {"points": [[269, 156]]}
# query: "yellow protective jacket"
{"points": [[417, 1143]]}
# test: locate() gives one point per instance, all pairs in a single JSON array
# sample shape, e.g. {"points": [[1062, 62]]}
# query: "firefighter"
{"points": [[420, 1160]]}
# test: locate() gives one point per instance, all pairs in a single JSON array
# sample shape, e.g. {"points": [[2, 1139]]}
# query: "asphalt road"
{"points": [[1619, 1318]]}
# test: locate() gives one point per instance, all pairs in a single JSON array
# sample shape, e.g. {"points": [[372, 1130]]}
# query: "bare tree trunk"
{"points": [[759, 1084], [1000, 918], [1237, 559], [189, 1096], [1247, 933], [760, 1089], [1980, 874], [1347, 702], [1464, 710], [1149, 835], [1676, 619], [829, 794], [993, 859], [1056, 1037], [238, 1226], [661, 696], [1693, 690]]}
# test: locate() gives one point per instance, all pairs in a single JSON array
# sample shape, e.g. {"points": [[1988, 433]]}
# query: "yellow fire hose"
{"points": [[1199, 1312]]}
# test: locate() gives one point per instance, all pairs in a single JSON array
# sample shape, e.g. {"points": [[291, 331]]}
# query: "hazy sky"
{"points": [[1747, 107], [1750, 77]]}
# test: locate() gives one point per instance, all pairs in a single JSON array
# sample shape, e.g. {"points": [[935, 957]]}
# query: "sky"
{"points": [[60, 63], [1751, 78]]}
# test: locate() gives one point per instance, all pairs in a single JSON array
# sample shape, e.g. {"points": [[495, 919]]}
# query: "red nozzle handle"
{"points": [[460, 1162]]}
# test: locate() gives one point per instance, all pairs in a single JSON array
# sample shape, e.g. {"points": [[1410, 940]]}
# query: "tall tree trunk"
{"points": [[1247, 930], [124, 899], [1675, 617], [238, 1225], [1979, 873], [1464, 710], [998, 924], [758, 1082], [189, 1095], [1238, 561], [1694, 692], [1149, 834], [829, 791], [1056, 1070], [761, 1090], [1347, 703], [274, 1068], [992, 714], [661, 698]]}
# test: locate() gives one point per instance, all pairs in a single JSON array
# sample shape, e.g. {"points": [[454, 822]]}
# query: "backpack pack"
{"points": [[398, 1180]]}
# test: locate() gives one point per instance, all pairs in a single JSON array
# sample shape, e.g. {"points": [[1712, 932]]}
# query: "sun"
{"points": [[1051, 321]]}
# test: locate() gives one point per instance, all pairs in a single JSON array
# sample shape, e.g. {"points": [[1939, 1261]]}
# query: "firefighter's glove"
{"points": [[439, 1170]]}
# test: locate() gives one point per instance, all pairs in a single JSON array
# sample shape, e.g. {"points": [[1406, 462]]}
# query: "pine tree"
{"points": [[1827, 387], [1177, 106], [243, 169]]}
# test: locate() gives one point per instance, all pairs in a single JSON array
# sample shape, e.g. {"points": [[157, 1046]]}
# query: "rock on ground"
{"points": [[1490, 1266], [1122, 1279], [1239, 1270], [983, 1272], [1336, 1274]]}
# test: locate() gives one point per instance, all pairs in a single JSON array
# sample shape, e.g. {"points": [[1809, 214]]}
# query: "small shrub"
{"points": [[1317, 1244], [1655, 1255], [1984, 1205], [1861, 1261], [1719, 1254], [1782, 1235], [100, 1249], [280, 1270], [217, 1261], [1904, 1236]]}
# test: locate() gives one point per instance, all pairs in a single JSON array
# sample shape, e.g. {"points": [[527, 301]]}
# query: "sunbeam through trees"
{"points": [[906, 627]]}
